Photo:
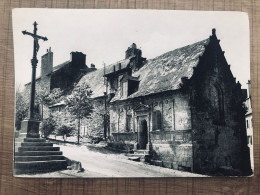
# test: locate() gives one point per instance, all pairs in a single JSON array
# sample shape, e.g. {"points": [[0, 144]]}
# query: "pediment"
{"points": [[141, 107]]}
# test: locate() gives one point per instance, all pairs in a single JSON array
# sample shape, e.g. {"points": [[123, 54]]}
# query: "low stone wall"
{"points": [[122, 137], [173, 148], [173, 156]]}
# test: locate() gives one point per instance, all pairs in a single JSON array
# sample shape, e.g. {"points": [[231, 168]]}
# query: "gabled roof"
{"points": [[164, 72], [160, 74]]}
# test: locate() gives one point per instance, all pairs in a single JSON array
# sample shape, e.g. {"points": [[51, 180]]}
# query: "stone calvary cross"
{"points": [[30, 125]]}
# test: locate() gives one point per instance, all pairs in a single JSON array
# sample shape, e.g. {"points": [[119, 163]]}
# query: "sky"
{"points": [[104, 35]]}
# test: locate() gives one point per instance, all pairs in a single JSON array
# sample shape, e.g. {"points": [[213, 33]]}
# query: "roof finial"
{"points": [[213, 31]]}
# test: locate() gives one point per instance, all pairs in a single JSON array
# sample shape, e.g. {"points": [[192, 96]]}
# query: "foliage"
{"points": [[79, 103], [21, 108], [98, 121], [65, 130], [45, 97], [95, 126], [48, 126]]}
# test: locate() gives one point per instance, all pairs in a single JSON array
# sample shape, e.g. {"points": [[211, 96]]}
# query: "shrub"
{"points": [[48, 126], [65, 130]]}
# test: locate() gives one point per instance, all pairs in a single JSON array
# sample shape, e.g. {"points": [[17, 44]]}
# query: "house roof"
{"points": [[61, 103], [164, 72], [95, 80], [55, 68], [124, 63], [160, 74]]}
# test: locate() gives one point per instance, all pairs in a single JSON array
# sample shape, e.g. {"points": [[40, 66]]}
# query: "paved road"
{"points": [[100, 162]]}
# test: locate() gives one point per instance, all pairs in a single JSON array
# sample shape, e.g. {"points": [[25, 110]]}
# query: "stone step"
{"points": [[141, 151], [140, 157], [36, 144], [34, 140], [22, 135], [39, 166], [16, 147], [38, 158], [133, 158], [38, 153], [38, 148]]}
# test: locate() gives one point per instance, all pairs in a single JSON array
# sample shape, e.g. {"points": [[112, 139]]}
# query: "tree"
{"points": [[65, 130], [79, 103], [21, 108], [45, 97]]}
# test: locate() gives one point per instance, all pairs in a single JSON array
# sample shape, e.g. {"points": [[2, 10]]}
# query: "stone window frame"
{"points": [[221, 107], [157, 120]]}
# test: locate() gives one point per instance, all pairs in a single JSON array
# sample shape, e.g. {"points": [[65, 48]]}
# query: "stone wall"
{"points": [[170, 141], [219, 135]]}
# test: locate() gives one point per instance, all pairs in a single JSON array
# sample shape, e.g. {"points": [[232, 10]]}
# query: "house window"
{"points": [[247, 124], [157, 120], [132, 86], [249, 140], [124, 89], [128, 123]]}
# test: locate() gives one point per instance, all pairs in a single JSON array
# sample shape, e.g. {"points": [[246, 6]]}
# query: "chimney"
{"points": [[92, 66], [132, 50], [78, 59], [47, 63]]}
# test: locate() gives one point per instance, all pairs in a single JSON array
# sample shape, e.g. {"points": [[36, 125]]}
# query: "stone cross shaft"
{"points": [[34, 62]]}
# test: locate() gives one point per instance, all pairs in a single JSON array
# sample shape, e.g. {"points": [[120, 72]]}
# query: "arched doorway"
{"points": [[143, 137]]}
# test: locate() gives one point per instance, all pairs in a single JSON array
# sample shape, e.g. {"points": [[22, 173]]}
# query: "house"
{"points": [[62, 76], [249, 124], [104, 83], [183, 107]]}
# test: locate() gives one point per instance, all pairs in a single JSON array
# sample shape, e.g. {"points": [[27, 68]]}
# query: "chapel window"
{"points": [[218, 103]]}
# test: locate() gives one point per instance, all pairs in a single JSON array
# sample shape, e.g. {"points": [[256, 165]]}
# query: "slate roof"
{"points": [[55, 68], [95, 80], [160, 74], [164, 72], [110, 68]]}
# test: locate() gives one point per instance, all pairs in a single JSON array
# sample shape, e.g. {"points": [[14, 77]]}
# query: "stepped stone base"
{"points": [[35, 155], [140, 155]]}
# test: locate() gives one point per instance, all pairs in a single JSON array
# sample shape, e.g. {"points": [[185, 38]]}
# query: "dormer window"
{"points": [[124, 89], [132, 86], [129, 85]]}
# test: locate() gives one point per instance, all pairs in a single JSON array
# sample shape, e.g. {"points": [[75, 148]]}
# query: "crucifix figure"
{"points": [[31, 126]]}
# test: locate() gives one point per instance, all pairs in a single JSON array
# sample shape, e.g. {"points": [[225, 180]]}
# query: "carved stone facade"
{"points": [[186, 109]]}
